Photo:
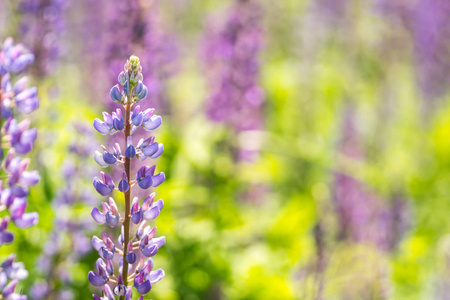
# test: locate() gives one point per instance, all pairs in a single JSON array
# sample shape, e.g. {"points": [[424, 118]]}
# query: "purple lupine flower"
{"points": [[15, 98], [69, 239], [140, 29], [42, 26], [137, 273], [230, 54], [363, 216], [428, 23]]}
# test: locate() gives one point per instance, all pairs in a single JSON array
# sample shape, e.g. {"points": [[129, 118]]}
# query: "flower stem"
{"points": [[126, 223]]}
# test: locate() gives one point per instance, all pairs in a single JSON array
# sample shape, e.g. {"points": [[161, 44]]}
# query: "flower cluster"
{"points": [[16, 138], [231, 57], [13, 272], [135, 262], [42, 26], [68, 241]]}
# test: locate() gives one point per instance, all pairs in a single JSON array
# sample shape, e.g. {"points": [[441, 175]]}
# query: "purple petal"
{"points": [[109, 158], [29, 178], [6, 238], [130, 152], [118, 124], [105, 253], [95, 279], [28, 105], [156, 276], [153, 123], [158, 179], [97, 243], [131, 258], [9, 289], [152, 213], [27, 220], [20, 85], [128, 295], [109, 267], [124, 186], [150, 250], [101, 127], [143, 93], [101, 188], [159, 152], [98, 157], [108, 180], [115, 94], [138, 89], [136, 218], [111, 219], [160, 241], [109, 293], [144, 287], [159, 204], [150, 150], [145, 183], [137, 120], [98, 216]]}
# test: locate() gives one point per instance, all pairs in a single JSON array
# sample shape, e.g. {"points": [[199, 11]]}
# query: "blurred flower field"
{"points": [[306, 148]]}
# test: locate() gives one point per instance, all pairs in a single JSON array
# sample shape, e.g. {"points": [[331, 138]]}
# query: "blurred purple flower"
{"points": [[69, 240], [18, 139], [42, 26], [230, 53], [363, 216]]}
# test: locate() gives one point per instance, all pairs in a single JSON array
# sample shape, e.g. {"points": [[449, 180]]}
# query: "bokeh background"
{"points": [[307, 143]]}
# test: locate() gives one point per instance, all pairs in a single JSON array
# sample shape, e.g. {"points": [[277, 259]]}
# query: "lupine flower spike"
{"points": [[135, 262], [230, 53], [69, 240], [16, 138]]}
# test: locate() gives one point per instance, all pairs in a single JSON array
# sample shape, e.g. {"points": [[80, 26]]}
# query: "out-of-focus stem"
{"points": [[126, 224]]}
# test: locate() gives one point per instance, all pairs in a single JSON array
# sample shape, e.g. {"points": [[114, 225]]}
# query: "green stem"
{"points": [[126, 224]]}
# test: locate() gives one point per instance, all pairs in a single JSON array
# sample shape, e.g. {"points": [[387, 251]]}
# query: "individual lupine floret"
{"points": [[150, 245], [18, 215], [110, 213], [21, 138], [150, 148], [6, 237], [105, 186], [146, 177], [104, 270], [14, 58], [104, 246], [146, 277], [144, 243]]}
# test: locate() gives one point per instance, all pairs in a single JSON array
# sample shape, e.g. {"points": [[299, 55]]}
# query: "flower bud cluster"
{"points": [[16, 138], [135, 250]]}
